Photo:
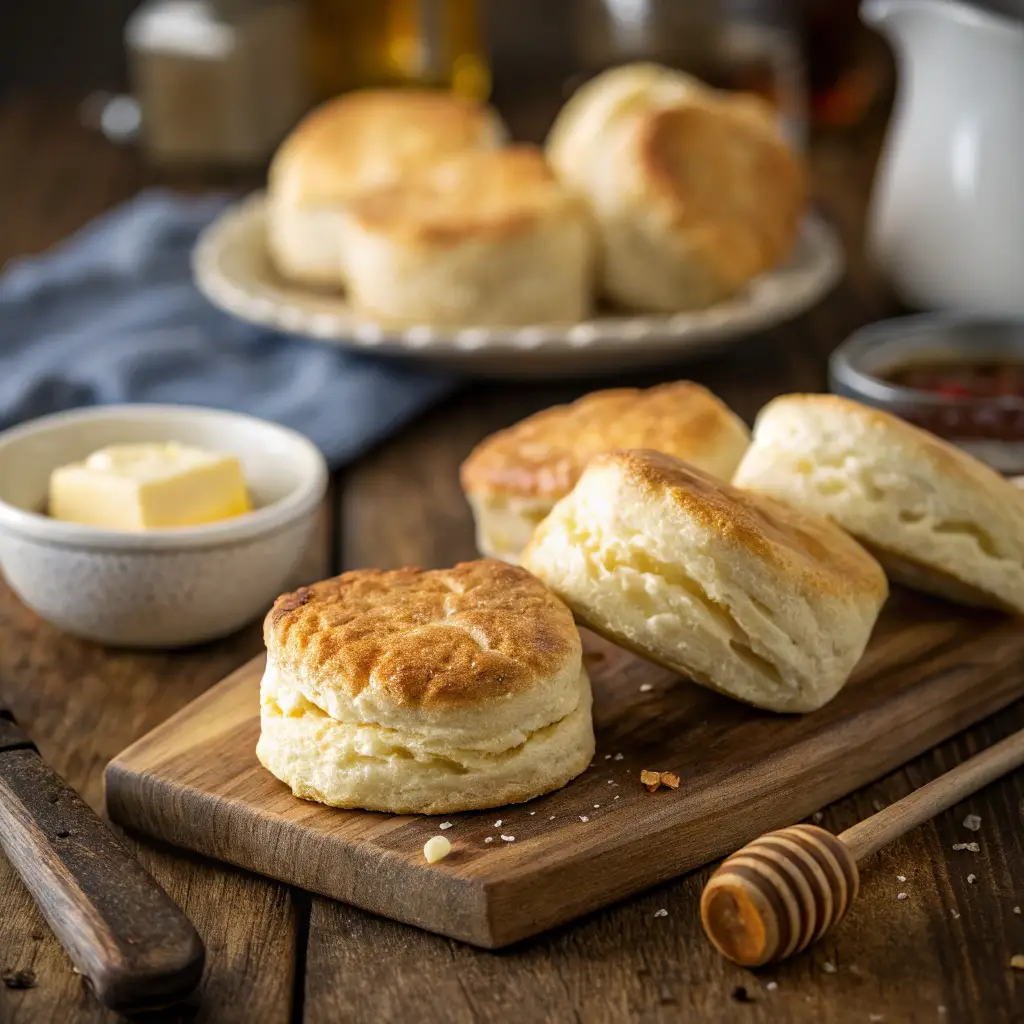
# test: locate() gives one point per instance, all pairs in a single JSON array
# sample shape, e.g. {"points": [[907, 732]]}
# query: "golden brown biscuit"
{"points": [[937, 518], [513, 478], [482, 238], [430, 692], [693, 189], [359, 141], [739, 592]]}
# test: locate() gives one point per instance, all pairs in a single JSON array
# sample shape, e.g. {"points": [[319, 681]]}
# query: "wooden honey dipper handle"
{"points": [[780, 893]]}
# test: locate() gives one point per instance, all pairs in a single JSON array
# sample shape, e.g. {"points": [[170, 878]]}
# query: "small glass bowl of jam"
{"points": [[960, 377]]}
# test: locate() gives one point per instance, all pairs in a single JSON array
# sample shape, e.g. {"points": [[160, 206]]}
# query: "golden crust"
{"points": [[544, 455], [428, 640], [945, 457], [725, 180], [495, 193], [803, 548], [364, 137]]}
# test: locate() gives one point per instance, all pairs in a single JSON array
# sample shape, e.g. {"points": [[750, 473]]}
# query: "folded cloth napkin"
{"points": [[112, 315]]}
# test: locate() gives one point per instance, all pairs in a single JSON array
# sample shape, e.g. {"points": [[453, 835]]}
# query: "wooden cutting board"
{"points": [[930, 671]]}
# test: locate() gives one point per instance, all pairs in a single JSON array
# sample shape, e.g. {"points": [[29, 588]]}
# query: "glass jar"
{"points": [[359, 43]]}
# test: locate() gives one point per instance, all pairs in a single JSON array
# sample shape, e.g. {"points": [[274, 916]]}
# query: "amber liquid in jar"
{"points": [[386, 43]]}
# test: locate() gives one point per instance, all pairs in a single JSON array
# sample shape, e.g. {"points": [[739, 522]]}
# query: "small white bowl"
{"points": [[159, 588]]}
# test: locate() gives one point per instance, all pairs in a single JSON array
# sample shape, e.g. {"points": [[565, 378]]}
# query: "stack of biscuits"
{"points": [[653, 191], [752, 565]]}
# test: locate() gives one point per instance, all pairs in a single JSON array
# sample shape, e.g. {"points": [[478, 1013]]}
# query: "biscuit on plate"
{"points": [[424, 692], [483, 238], [359, 141], [513, 478], [736, 591], [694, 190], [937, 518]]}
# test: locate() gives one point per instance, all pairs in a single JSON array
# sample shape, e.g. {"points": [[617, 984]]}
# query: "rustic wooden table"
{"points": [[275, 954]]}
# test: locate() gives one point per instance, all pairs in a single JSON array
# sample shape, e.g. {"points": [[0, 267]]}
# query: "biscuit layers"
{"points": [[424, 692], [936, 518], [737, 591]]}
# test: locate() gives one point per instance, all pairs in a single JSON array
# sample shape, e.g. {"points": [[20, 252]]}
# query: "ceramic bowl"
{"points": [[991, 428], [160, 588]]}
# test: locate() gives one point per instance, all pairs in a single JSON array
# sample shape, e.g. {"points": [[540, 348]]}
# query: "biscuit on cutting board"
{"points": [[937, 518], [693, 189], [737, 591], [424, 692], [513, 478], [348, 145]]}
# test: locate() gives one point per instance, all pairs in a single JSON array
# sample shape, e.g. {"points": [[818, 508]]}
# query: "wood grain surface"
{"points": [[276, 955], [929, 670]]}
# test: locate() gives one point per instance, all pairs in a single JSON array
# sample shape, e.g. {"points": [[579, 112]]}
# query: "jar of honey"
{"points": [[378, 43]]}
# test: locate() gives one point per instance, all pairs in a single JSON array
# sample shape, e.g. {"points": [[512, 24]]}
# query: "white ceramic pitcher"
{"points": [[947, 213]]}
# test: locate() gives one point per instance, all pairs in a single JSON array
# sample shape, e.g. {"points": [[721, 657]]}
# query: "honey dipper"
{"points": [[780, 893]]}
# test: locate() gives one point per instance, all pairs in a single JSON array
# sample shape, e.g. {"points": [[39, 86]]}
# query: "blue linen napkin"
{"points": [[112, 315]]}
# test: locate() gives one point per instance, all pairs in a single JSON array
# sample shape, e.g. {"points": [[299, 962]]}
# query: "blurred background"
{"points": [[217, 83]]}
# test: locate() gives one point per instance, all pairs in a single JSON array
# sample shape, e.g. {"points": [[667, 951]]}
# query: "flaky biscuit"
{"points": [[937, 518], [353, 143], [513, 478], [424, 692], [489, 238], [736, 591], [693, 189]]}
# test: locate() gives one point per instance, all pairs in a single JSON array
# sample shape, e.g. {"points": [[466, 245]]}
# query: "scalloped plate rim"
{"points": [[768, 300]]}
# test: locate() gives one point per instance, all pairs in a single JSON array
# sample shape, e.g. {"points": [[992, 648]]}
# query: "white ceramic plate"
{"points": [[233, 270]]}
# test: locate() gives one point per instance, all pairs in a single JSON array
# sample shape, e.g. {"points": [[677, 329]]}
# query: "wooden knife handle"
{"points": [[121, 930]]}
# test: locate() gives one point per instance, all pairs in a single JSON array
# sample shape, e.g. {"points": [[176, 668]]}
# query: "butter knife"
{"points": [[120, 929]]}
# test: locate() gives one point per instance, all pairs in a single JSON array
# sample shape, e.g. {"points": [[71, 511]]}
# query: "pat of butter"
{"points": [[149, 487]]}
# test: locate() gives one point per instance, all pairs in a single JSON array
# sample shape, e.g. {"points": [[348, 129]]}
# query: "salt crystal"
{"points": [[646, 687], [772, 986], [607, 757], [1016, 910], [497, 824], [508, 839], [901, 878], [532, 813], [617, 796], [552, 818], [618, 757], [583, 817], [829, 968], [956, 914], [661, 913], [972, 879], [972, 822], [901, 895], [959, 846], [445, 824], [489, 839], [596, 806]]}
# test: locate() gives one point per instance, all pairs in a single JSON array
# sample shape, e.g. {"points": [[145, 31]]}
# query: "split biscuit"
{"points": [[935, 517], [513, 478], [736, 591], [424, 692]]}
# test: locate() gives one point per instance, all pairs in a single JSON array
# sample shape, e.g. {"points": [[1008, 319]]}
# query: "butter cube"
{"points": [[149, 487]]}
